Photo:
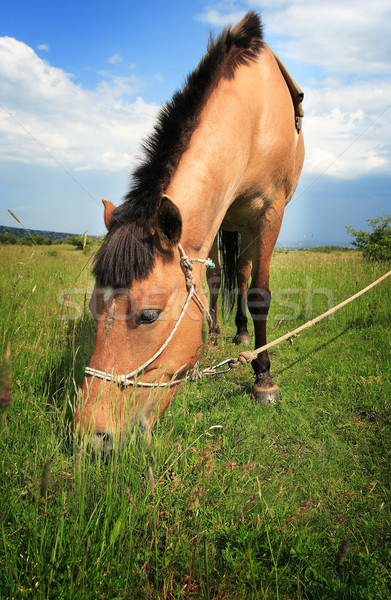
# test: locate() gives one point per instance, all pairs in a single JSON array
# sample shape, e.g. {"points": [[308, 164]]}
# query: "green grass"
{"points": [[232, 500]]}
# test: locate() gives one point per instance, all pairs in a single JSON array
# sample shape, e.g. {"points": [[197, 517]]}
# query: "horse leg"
{"points": [[243, 275], [264, 389], [214, 278]]}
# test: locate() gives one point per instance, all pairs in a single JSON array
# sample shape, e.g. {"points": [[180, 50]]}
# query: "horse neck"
{"points": [[210, 172]]}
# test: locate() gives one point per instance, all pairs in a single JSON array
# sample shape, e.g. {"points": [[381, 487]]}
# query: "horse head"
{"points": [[149, 334]]}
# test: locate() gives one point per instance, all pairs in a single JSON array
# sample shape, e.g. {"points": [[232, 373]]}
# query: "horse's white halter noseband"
{"points": [[128, 379]]}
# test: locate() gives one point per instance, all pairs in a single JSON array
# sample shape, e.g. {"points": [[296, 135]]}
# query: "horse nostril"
{"points": [[102, 444]]}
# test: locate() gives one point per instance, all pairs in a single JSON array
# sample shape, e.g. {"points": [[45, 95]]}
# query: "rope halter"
{"points": [[129, 378]]}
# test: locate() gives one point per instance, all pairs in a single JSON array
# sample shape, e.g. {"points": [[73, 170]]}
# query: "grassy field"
{"points": [[233, 500]]}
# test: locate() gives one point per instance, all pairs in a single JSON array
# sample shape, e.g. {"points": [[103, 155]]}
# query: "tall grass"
{"points": [[232, 500]]}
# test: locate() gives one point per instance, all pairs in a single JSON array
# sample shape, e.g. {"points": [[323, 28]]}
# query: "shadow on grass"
{"points": [[313, 351], [360, 323]]}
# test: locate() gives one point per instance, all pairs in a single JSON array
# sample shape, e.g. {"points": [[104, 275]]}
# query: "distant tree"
{"points": [[39, 240], [375, 244]]}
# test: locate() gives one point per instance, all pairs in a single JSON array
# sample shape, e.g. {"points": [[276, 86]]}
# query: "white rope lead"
{"points": [[128, 379]]}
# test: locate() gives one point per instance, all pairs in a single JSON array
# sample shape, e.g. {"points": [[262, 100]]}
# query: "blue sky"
{"points": [[81, 84]]}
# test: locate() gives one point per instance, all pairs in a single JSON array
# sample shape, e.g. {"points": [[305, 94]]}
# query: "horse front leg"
{"points": [[243, 275], [214, 279], [264, 389]]}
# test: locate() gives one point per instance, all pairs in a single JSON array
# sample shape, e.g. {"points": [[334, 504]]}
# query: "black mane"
{"points": [[129, 249]]}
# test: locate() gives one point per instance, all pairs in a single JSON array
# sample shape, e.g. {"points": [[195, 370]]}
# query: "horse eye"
{"points": [[148, 316]]}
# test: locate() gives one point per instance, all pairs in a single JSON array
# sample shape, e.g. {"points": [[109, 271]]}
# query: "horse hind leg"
{"points": [[243, 275]]}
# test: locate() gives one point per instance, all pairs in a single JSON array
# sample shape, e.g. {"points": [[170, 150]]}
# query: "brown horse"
{"points": [[227, 154]]}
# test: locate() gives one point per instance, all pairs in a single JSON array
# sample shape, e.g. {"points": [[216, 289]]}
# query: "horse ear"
{"points": [[109, 207], [169, 222]]}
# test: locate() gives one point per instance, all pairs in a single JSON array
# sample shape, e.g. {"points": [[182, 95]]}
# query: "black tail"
{"points": [[229, 245]]}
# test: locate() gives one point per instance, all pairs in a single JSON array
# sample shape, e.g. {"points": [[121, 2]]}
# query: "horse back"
{"points": [[276, 148]]}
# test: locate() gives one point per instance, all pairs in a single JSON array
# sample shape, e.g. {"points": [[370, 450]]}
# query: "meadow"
{"points": [[232, 500]]}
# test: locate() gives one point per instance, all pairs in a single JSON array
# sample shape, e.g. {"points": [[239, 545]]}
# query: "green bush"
{"points": [[39, 240], [9, 238], [375, 245], [79, 241]]}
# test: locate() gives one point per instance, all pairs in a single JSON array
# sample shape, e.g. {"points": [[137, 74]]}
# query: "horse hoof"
{"points": [[264, 390], [266, 397], [242, 339]]}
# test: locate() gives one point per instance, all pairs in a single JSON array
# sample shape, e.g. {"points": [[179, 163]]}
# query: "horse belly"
{"points": [[245, 212]]}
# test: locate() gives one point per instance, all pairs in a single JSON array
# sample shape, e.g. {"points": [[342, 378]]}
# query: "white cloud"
{"points": [[46, 117], [44, 47], [220, 19], [115, 59], [340, 36], [347, 128]]}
